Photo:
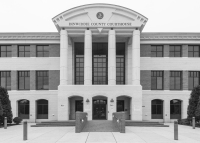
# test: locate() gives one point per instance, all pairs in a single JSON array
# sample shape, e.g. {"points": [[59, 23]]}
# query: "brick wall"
{"points": [[185, 80], [166, 51], [166, 80], [32, 50], [145, 50], [184, 50], [14, 50], [145, 79], [32, 80], [14, 84], [54, 79], [54, 50]]}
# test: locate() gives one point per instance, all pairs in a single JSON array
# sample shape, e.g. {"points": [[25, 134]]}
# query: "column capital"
{"points": [[88, 32], [136, 32], [63, 32], [111, 32]]}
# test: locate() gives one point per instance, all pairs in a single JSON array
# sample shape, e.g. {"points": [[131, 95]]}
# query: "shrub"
{"points": [[183, 121], [194, 104], [17, 120], [5, 105]]}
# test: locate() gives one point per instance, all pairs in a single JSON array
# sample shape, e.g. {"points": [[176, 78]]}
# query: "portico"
{"points": [[90, 25]]}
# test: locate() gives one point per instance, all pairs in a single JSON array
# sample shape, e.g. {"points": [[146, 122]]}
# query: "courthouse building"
{"points": [[99, 62]]}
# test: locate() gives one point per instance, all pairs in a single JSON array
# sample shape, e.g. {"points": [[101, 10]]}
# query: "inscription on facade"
{"points": [[99, 24]]}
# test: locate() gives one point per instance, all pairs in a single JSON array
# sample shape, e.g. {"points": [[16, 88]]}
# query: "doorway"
{"points": [[99, 109]]}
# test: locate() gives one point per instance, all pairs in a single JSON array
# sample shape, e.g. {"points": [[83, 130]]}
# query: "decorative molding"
{"points": [[25, 36], [144, 36], [170, 37]]}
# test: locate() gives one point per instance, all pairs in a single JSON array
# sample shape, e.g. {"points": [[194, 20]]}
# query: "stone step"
{"points": [[52, 125]]}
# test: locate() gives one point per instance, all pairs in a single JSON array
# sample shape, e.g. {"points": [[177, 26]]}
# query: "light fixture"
{"points": [[87, 100], [111, 100]]}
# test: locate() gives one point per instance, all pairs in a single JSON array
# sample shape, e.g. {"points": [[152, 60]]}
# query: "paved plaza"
{"points": [[14, 134]]}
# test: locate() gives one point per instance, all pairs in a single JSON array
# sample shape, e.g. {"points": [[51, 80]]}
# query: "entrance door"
{"points": [[99, 109], [79, 105], [120, 105]]}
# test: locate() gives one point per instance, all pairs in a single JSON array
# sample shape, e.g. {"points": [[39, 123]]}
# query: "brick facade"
{"points": [[32, 50], [185, 80], [184, 50], [54, 50], [145, 50], [32, 80], [145, 79], [54, 79], [166, 51], [14, 50], [166, 80], [14, 80]]}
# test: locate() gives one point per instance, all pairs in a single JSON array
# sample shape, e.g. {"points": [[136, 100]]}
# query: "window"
{"points": [[120, 63], [193, 51], [79, 63], [100, 63], [156, 51], [23, 80], [5, 79], [175, 109], [42, 51], [42, 80], [6, 51], [175, 80], [24, 51], [193, 79], [23, 109], [157, 109], [42, 109], [175, 51], [156, 80]]}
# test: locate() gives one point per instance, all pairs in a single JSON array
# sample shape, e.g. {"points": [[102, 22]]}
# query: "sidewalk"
{"points": [[14, 134]]}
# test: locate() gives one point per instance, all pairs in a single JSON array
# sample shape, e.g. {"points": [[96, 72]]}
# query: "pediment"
{"points": [[88, 14]]}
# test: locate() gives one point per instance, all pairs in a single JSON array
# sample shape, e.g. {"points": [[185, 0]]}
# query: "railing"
{"points": [[119, 121], [81, 120]]}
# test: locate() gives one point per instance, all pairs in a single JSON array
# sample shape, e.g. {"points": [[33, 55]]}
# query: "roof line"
{"points": [[98, 4]]}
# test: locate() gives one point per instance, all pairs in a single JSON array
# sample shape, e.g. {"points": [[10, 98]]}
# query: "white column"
{"points": [[63, 56], [88, 58], [111, 57], [136, 57]]}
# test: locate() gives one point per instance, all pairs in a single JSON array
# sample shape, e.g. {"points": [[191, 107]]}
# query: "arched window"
{"points": [[175, 109], [157, 109], [42, 109], [23, 109]]}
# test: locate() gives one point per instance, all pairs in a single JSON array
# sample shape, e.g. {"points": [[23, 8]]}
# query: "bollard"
{"points": [[175, 130], [193, 122], [5, 123], [25, 130]]}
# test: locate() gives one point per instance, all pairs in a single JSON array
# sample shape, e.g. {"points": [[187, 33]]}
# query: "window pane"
{"points": [[21, 82], [159, 83], [27, 83]]}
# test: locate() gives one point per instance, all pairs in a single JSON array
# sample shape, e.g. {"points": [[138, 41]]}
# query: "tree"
{"points": [[197, 112], [193, 111], [6, 106]]}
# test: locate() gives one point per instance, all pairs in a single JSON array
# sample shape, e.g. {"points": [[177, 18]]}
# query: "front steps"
{"points": [[144, 124], [92, 122], [55, 124], [100, 126]]}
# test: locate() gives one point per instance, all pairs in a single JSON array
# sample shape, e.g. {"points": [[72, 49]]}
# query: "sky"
{"points": [[163, 15]]}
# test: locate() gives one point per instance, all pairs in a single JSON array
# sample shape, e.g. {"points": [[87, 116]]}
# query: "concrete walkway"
{"points": [[13, 134]]}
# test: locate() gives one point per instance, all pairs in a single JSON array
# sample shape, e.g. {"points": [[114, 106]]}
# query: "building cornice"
{"points": [[170, 36], [30, 36], [56, 36]]}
